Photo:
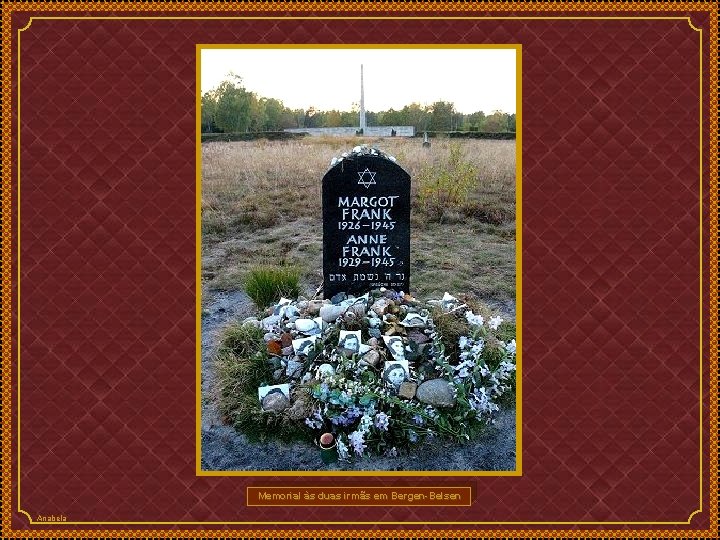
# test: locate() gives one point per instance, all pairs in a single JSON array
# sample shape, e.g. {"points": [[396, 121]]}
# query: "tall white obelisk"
{"points": [[363, 124]]}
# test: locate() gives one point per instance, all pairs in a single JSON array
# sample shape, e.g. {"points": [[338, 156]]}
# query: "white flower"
{"points": [[494, 322], [342, 450], [463, 342], [357, 442], [365, 423], [476, 320], [381, 421], [510, 346]]}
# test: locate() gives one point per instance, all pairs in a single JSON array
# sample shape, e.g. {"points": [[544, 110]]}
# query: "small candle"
{"points": [[328, 452]]}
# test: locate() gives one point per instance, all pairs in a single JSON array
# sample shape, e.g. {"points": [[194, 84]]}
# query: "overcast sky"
{"points": [[473, 79]]}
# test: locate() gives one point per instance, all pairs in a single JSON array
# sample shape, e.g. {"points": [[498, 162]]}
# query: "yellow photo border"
{"points": [[518, 264], [454, 11]]}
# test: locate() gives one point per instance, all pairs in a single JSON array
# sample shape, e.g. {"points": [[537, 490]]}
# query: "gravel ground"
{"points": [[224, 449]]}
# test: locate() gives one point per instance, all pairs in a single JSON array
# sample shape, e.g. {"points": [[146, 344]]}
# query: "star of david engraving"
{"points": [[363, 181]]}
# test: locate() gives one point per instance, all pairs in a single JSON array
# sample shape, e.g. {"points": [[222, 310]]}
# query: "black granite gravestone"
{"points": [[366, 225]]}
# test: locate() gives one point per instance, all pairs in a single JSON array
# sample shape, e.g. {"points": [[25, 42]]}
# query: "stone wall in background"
{"points": [[370, 131]]}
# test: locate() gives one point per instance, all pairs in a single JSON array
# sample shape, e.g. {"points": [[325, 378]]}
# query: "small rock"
{"points": [[393, 328], [437, 392], [252, 321], [373, 342], [278, 373], [418, 337], [374, 322], [270, 322], [372, 357], [357, 309], [374, 332], [287, 351], [407, 390], [331, 312], [278, 310], [313, 307], [291, 311], [274, 347], [286, 339], [269, 336], [275, 401], [305, 325], [339, 297], [325, 370], [380, 306], [294, 368]]}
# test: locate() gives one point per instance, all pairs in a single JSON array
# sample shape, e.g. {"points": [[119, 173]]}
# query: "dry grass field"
{"points": [[261, 204]]}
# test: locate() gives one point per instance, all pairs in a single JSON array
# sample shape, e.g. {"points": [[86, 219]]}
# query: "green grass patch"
{"points": [[266, 284]]}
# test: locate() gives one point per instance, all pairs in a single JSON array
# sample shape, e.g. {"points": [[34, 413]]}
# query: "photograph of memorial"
{"points": [[359, 270]]}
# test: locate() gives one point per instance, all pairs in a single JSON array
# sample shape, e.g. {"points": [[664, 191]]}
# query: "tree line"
{"points": [[230, 108]]}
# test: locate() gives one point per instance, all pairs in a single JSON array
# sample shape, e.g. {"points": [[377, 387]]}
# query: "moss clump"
{"points": [[242, 365], [450, 327]]}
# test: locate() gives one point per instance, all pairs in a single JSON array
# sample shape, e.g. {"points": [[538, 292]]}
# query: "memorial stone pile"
{"points": [[366, 224]]}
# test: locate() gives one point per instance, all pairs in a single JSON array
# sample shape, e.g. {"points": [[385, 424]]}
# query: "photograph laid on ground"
{"points": [[396, 346], [396, 372], [350, 341], [278, 388], [358, 221], [304, 345], [414, 320]]}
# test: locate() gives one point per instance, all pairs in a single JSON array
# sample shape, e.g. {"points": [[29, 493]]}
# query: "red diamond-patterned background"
{"points": [[611, 271]]}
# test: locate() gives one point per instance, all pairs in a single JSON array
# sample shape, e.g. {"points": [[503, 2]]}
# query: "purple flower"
{"points": [[397, 295], [347, 417], [315, 421]]}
